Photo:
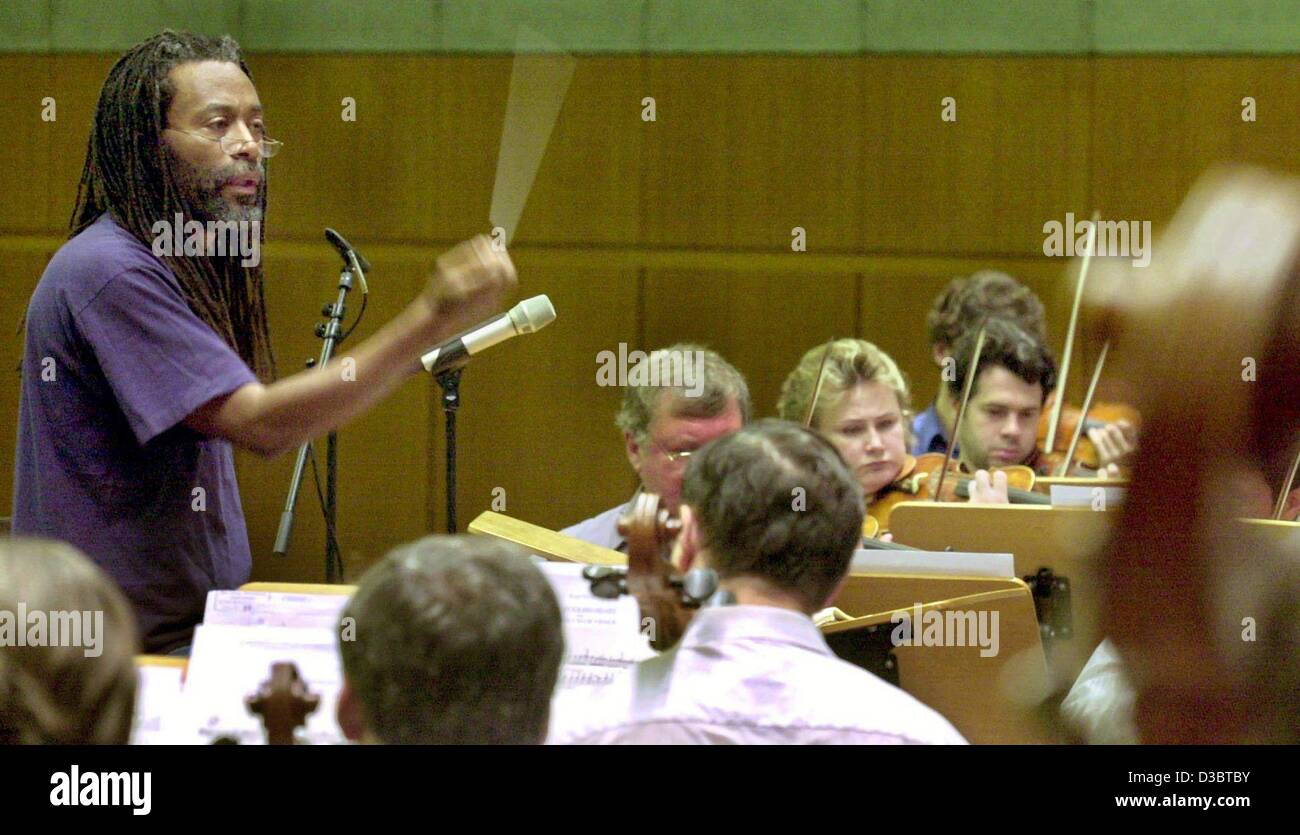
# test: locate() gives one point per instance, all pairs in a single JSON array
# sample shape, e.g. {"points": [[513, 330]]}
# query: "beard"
{"points": [[201, 190]]}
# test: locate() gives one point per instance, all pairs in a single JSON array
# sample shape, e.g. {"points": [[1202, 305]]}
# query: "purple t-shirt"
{"points": [[114, 361]]}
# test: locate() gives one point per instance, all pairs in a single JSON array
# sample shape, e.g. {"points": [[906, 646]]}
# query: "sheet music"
{"points": [[228, 663], [602, 638], [244, 633], [270, 608], [157, 697], [952, 563], [1081, 495]]}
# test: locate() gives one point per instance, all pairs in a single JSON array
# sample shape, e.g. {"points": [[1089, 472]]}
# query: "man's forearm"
{"points": [[313, 402], [470, 281]]}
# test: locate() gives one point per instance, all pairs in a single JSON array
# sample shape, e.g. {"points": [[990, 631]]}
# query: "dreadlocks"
{"points": [[126, 173]]}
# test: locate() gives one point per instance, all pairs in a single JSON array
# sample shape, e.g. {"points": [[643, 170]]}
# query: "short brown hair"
{"points": [[775, 501], [64, 694], [455, 640], [722, 385], [987, 294], [1008, 346]]}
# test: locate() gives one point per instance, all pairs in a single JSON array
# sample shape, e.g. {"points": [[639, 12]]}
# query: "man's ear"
{"points": [[349, 713], [633, 451], [938, 352], [687, 548]]}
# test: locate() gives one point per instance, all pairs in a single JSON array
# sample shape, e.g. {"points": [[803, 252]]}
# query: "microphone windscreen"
{"points": [[341, 244], [532, 314]]}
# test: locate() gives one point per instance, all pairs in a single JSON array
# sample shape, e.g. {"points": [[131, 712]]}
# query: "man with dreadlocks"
{"points": [[141, 370]]}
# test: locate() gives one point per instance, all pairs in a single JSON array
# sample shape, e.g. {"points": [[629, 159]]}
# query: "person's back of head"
{"points": [[453, 640], [987, 294], [775, 502], [71, 678]]}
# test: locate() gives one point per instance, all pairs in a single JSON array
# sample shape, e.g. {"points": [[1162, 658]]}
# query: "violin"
{"points": [[919, 481], [1097, 417], [283, 702], [1223, 284]]}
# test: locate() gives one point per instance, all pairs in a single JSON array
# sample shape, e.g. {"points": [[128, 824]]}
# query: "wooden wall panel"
{"points": [[1161, 122], [587, 191], [77, 80], [1016, 156], [470, 109], [760, 322], [372, 179], [743, 151], [25, 179], [534, 421]]}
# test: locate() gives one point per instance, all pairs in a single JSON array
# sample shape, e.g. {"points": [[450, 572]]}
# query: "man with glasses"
{"points": [[664, 419], [140, 370]]}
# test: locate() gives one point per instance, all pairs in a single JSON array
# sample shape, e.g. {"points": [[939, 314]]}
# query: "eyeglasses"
{"points": [[682, 457], [233, 144]]}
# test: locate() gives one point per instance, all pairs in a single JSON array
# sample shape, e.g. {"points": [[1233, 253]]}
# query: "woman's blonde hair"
{"points": [[58, 692], [849, 363]]}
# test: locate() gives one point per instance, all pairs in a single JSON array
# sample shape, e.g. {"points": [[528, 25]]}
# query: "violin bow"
{"points": [[1286, 488], [971, 371], [1054, 422], [1083, 413], [817, 387]]}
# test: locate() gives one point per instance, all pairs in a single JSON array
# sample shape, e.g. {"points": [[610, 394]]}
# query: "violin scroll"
{"points": [[283, 702]]}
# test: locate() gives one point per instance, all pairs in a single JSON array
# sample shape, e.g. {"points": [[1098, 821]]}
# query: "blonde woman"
{"points": [[864, 409]]}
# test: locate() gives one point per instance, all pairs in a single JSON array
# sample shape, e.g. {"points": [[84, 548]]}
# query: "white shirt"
{"points": [[749, 675], [1099, 706], [601, 529]]}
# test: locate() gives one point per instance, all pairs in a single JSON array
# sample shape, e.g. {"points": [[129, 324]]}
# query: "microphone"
{"points": [[527, 316], [352, 259]]}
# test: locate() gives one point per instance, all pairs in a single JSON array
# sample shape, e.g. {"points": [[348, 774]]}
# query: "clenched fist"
{"points": [[469, 283]]}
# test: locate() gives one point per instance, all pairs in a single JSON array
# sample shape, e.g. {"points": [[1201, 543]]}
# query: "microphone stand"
{"points": [[329, 331], [449, 381]]}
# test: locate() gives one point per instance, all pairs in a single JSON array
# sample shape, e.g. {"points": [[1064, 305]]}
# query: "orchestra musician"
{"points": [[1016, 374], [454, 640], [960, 309], [665, 418], [141, 370], [70, 679], [955, 319], [862, 407], [758, 671]]}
